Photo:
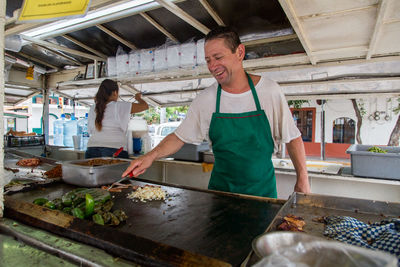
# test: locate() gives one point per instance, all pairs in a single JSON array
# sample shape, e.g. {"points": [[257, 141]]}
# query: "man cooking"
{"points": [[244, 116]]}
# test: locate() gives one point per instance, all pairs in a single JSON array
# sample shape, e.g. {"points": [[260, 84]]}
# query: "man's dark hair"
{"points": [[230, 36]]}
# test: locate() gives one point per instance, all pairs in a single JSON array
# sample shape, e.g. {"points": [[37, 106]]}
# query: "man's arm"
{"points": [[298, 156], [167, 146]]}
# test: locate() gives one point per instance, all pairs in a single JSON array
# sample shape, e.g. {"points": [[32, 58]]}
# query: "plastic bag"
{"points": [[160, 58], [286, 249], [111, 66], [188, 55], [146, 60], [200, 57], [122, 62], [173, 54], [134, 62]]}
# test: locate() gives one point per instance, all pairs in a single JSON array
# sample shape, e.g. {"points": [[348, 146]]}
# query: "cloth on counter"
{"points": [[383, 235]]}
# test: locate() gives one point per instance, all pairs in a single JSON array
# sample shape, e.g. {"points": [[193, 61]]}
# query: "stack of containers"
{"points": [[83, 132], [58, 129], [70, 129]]}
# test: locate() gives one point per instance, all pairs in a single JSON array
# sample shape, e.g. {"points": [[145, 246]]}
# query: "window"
{"points": [[304, 119], [344, 130]]}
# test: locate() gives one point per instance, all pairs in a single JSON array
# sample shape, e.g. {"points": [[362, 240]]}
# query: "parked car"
{"points": [[162, 131]]}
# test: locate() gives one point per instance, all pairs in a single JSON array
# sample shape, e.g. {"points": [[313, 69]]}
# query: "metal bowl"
{"points": [[299, 249], [267, 244]]}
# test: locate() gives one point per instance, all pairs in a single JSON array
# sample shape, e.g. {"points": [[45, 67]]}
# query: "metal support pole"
{"points": [[45, 113], [322, 131], [2, 24]]}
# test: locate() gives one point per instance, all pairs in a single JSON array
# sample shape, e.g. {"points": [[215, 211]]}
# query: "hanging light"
{"points": [[29, 73]]}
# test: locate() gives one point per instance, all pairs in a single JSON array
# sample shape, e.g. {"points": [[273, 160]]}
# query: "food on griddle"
{"points": [[32, 162], [11, 170], [148, 192], [86, 203], [99, 162], [117, 187], [55, 172], [292, 223], [319, 219]]}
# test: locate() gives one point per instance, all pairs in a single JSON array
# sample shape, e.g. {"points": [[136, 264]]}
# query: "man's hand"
{"points": [[139, 165], [298, 157], [302, 185]]}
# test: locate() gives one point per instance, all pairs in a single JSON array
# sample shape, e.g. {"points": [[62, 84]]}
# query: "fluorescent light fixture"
{"points": [[93, 17]]}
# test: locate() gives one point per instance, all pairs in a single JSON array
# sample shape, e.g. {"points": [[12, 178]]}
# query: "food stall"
{"points": [[191, 225]]}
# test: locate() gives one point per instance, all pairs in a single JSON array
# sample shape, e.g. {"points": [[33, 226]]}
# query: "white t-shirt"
{"points": [[194, 129], [115, 124]]}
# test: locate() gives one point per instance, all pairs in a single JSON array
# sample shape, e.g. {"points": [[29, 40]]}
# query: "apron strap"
{"points": [[218, 99], [253, 91]]}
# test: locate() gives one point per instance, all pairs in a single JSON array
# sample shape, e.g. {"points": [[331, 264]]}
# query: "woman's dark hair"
{"points": [[230, 36], [107, 87]]}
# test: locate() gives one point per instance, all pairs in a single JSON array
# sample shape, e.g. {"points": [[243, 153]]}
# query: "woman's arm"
{"points": [[140, 106]]}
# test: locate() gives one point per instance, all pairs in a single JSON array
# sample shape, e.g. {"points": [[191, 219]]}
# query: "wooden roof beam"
{"points": [[212, 12], [378, 27], [117, 37], [183, 15], [62, 48], [88, 48], [288, 8], [159, 27]]}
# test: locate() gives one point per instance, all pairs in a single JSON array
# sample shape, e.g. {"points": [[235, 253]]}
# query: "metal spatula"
{"points": [[130, 175]]}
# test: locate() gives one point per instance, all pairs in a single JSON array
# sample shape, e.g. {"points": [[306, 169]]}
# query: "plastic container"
{"points": [[138, 127], [83, 132], [137, 145], [191, 152], [146, 143], [376, 165], [58, 130], [70, 129]]}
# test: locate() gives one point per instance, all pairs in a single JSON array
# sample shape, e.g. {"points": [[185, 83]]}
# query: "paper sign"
{"points": [[52, 9]]}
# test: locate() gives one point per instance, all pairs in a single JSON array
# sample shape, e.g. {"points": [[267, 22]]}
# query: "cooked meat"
{"points": [[55, 172], [292, 223], [32, 162]]}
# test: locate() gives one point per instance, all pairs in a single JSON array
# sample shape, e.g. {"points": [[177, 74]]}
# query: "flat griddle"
{"points": [[195, 227]]}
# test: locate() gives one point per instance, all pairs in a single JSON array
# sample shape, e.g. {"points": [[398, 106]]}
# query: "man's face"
{"points": [[221, 62]]}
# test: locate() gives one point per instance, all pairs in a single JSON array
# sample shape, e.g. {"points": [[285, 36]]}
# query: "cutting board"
{"points": [[195, 227]]}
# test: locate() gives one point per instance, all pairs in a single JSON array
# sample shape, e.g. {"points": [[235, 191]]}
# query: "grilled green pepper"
{"points": [[98, 219], [40, 201], [89, 207], [67, 210], [50, 205], [78, 213]]}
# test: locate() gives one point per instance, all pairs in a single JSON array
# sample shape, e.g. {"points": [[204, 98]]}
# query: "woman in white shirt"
{"points": [[108, 121]]}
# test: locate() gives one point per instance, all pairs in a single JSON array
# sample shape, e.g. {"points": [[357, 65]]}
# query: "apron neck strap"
{"points": [[253, 91]]}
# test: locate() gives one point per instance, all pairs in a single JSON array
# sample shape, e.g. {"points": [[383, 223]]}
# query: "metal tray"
{"points": [[92, 176], [313, 206]]}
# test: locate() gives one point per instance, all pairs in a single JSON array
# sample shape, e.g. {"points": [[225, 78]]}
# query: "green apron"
{"points": [[242, 145]]}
